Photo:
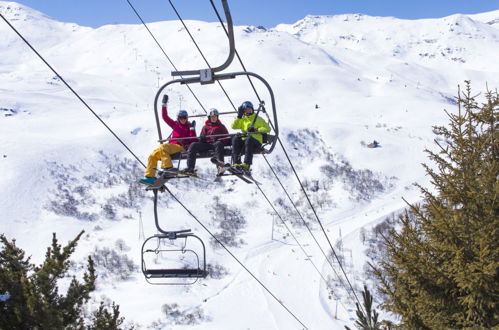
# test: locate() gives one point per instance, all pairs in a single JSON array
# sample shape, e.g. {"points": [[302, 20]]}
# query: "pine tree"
{"points": [[441, 269], [367, 317], [103, 319], [34, 299]]}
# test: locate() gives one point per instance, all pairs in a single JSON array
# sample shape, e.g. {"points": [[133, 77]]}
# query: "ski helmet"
{"points": [[247, 104], [213, 112], [182, 113]]}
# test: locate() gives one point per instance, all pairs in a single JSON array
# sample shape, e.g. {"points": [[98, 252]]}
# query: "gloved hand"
{"points": [[165, 100], [252, 129], [202, 138], [192, 124], [240, 112]]}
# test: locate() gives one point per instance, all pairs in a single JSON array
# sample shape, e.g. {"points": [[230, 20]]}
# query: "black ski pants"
{"points": [[196, 147], [248, 146]]}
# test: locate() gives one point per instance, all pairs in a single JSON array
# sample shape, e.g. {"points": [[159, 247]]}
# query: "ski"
{"points": [[233, 170], [191, 175], [222, 167], [250, 177], [238, 173], [245, 175], [164, 176]]}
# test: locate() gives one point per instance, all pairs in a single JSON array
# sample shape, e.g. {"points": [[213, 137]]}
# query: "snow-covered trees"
{"points": [[230, 222]]}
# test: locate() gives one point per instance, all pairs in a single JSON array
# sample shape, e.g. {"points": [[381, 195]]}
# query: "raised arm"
{"points": [[167, 118], [164, 113]]}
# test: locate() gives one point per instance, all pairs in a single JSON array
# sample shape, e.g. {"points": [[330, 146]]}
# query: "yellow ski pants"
{"points": [[162, 153]]}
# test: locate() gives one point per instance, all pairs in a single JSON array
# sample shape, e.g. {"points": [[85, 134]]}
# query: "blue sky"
{"points": [[249, 12]]}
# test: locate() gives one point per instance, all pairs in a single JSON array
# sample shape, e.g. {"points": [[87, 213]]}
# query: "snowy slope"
{"points": [[340, 82]]}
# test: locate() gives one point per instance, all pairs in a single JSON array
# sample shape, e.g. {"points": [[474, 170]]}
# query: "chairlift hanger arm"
{"points": [[232, 50]]}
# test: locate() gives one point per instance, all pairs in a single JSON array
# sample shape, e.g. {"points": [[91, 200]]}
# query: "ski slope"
{"points": [[340, 82]]}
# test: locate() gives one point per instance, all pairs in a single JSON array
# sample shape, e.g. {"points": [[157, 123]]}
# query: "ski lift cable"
{"points": [[304, 222], [235, 258], [317, 218], [292, 166], [299, 244], [235, 50], [319, 221], [72, 90], [167, 57], [189, 33], [200, 52], [299, 213]]}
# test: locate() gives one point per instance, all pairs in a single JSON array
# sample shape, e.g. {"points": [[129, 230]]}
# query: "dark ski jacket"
{"points": [[216, 128], [179, 130]]}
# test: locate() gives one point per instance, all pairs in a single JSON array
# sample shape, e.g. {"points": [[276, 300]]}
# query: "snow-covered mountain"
{"points": [[340, 82]]}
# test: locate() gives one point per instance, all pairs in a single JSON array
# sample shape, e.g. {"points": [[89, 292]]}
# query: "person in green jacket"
{"points": [[250, 142]]}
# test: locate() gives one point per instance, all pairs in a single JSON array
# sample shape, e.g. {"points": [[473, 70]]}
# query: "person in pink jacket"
{"points": [[182, 128]]}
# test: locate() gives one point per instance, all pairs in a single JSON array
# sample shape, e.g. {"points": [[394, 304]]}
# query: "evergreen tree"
{"points": [[34, 300], [367, 317], [104, 320], [441, 269]]}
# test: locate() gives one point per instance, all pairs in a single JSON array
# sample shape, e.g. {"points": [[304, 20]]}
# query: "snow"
{"points": [[373, 78]]}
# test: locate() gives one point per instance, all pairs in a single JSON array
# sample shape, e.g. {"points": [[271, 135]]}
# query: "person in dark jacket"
{"points": [[182, 128], [207, 140]]}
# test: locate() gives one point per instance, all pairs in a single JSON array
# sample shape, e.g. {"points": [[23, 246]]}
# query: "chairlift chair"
{"points": [[190, 254], [163, 246]]}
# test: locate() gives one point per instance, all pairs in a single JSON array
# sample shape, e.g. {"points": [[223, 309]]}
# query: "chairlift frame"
{"points": [[160, 276]]}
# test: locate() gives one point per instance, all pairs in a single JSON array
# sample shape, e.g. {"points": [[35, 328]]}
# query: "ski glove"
{"points": [[192, 124], [240, 112], [165, 100]]}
